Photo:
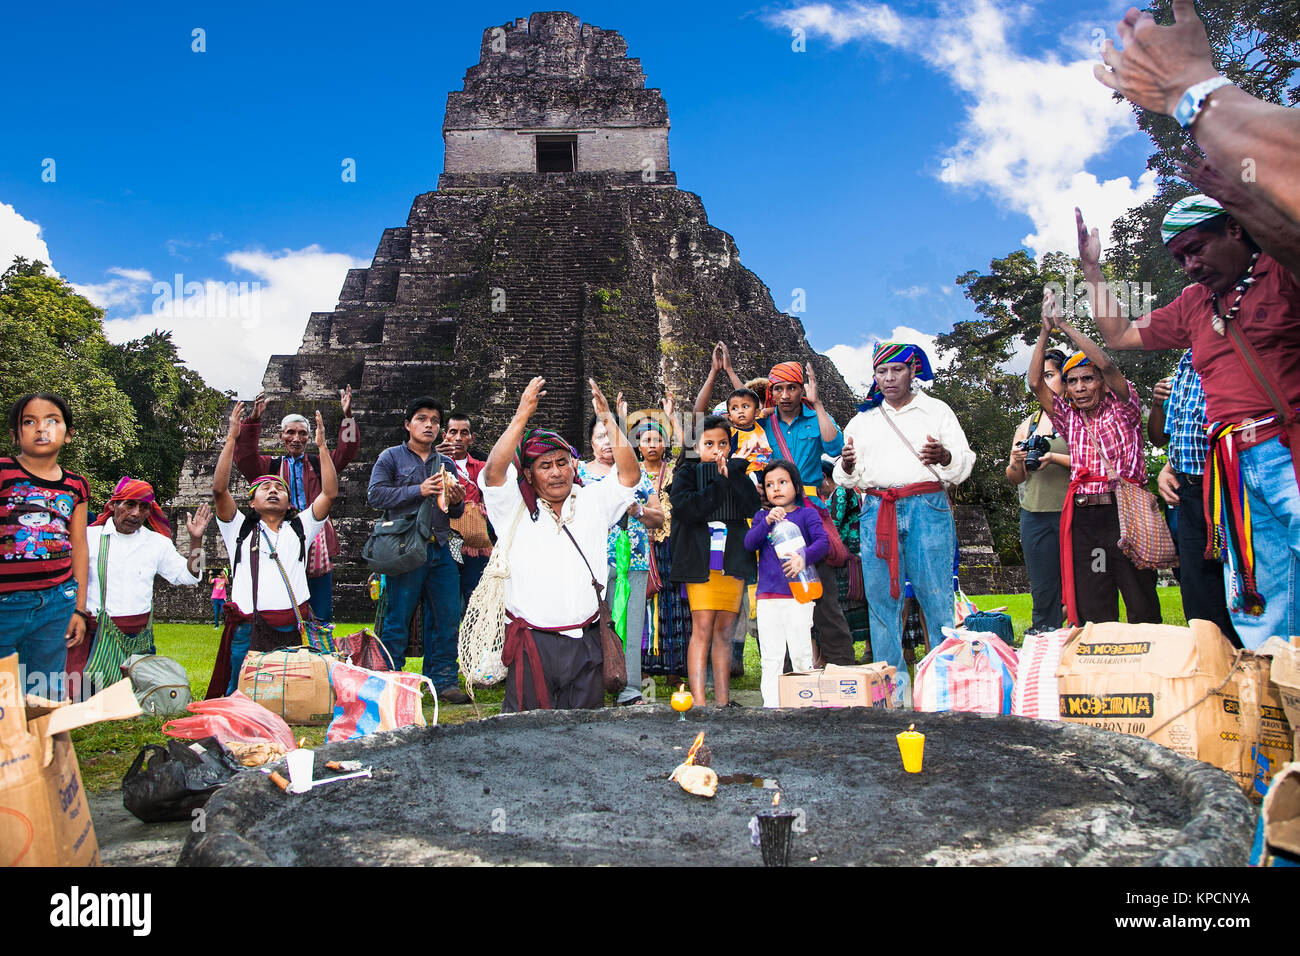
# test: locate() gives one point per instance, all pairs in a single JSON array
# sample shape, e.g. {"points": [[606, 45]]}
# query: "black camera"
{"points": [[1035, 446]]}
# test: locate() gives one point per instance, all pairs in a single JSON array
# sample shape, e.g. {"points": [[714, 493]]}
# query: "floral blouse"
{"points": [[638, 535]]}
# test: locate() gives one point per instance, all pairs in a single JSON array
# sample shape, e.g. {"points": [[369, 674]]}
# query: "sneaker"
{"points": [[453, 695], [631, 702]]}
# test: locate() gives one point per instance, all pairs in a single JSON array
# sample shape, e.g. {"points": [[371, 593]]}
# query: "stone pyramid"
{"points": [[557, 243]]}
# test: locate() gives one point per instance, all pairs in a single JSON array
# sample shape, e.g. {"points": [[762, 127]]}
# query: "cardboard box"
{"points": [[1282, 810], [293, 683], [1183, 687], [44, 817], [861, 685], [1285, 674]]}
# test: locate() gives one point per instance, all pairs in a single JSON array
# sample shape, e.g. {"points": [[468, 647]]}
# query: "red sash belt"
{"points": [[520, 646], [887, 524], [1067, 545]]}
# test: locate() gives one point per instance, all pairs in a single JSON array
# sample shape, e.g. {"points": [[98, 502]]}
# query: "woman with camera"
{"points": [[1040, 466]]}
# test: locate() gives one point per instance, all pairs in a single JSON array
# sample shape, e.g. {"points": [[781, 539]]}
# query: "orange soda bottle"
{"points": [[787, 540]]}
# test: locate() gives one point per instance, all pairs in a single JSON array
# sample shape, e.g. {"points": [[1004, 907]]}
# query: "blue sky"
{"points": [[906, 143]]}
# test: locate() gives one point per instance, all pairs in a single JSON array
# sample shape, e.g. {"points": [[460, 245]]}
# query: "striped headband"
{"points": [[1188, 212]]}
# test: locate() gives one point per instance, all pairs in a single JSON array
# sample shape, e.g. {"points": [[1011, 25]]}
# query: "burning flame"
{"points": [[911, 727], [695, 747], [681, 688], [776, 798]]}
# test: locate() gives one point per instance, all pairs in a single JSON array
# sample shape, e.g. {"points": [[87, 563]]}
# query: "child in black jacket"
{"points": [[711, 499]]}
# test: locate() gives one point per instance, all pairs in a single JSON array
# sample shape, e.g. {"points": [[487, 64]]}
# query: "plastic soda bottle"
{"points": [[787, 540]]}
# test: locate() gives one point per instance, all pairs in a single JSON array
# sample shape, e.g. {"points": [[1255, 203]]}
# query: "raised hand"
{"points": [[197, 522], [321, 441], [1089, 242], [1157, 63], [810, 383], [1205, 177], [534, 393], [236, 419], [259, 406], [599, 403], [715, 361], [726, 356], [345, 399], [668, 405], [621, 404], [1051, 311]]}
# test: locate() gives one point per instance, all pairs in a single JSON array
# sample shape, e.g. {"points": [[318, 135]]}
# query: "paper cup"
{"points": [[912, 746], [300, 763]]}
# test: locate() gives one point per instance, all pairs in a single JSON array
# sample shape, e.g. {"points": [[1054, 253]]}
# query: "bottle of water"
{"points": [[787, 541]]}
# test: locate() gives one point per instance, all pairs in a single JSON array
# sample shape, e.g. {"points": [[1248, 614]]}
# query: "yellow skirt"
{"points": [[720, 593]]}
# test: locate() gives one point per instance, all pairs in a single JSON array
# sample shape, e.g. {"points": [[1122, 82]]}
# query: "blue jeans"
{"points": [[217, 605], [437, 581], [321, 596], [239, 649], [34, 625], [927, 538], [471, 572], [1275, 528]]}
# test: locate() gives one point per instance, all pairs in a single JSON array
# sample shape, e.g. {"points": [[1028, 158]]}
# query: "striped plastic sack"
{"points": [[969, 671], [1036, 694], [368, 702]]}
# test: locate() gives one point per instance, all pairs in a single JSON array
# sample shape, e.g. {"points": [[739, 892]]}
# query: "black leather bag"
{"points": [[171, 783], [398, 545]]}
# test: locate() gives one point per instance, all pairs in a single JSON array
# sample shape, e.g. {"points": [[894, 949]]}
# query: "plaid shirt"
{"points": [[1185, 420], [1117, 426]]}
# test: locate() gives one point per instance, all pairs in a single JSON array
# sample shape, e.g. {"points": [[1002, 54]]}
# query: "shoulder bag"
{"points": [[614, 666], [400, 544], [111, 647], [1143, 534]]}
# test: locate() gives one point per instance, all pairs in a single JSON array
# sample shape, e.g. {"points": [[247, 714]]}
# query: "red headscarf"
{"points": [[784, 372], [135, 489]]}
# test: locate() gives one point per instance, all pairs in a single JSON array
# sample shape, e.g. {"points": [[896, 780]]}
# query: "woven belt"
{"points": [[1087, 501]]}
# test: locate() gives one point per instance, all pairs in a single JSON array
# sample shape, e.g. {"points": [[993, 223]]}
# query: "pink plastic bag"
{"points": [[368, 702], [970, 671], [236, 717]]}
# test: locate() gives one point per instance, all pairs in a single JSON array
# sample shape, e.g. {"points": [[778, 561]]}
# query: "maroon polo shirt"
{"points": [[1270, 321]]}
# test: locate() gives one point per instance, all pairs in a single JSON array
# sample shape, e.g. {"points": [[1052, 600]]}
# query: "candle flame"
{"points": [[911, 727], [695, 747], [681, 688], [776, 798]]}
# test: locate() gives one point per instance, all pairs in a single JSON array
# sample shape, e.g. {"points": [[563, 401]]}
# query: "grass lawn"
{"points": [[106, 750]]}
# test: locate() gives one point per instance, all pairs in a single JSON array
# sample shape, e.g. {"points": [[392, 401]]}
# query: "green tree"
{"points": [[176, 410], [54, 342], [137, 409]]}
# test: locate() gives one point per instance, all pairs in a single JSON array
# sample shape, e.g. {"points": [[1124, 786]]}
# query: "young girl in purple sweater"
{"points": [[784, 623]]}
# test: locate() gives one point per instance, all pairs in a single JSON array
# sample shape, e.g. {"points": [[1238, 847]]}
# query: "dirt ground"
{"points": [[591, 788]]}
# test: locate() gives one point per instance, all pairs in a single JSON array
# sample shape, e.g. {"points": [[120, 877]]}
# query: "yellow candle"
{"points": [[682, 700], [912, 746]]}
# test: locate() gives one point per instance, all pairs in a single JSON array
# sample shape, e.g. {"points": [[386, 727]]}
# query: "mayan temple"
{"points": [[556, 243]]}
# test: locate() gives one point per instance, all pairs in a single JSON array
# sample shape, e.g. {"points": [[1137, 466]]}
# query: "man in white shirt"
{"points": [[556, 534], [268, 552], [129, 544], [917, 450]]}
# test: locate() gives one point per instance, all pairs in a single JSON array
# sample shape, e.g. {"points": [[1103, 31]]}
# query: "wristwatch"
{"points": [[1193, 100]]}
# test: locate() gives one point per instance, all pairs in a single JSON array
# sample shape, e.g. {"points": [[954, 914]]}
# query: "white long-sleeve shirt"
{"points": [[133, 560], [882, 459]]}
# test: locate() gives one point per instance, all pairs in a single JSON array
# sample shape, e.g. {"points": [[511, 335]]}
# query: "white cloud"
{"points": [[20, 237], [1032, 122], [226, 330], [911, 292], [126, 289], [854, 361]]}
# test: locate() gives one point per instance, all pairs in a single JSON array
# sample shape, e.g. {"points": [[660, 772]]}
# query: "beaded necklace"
{"points": [[1220, 322]]}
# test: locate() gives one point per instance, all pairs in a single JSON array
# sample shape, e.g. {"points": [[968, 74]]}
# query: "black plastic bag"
{"points": [[177, 779]]}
